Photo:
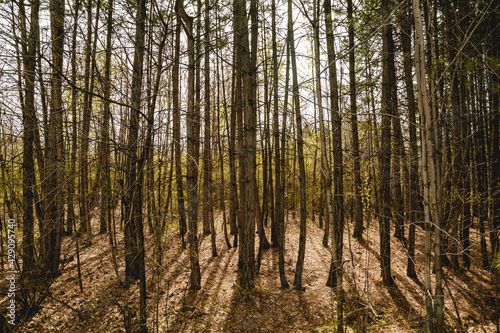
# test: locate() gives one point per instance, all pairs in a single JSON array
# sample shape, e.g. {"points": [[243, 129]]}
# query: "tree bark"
{"points": [[413, 190], [358, 200], [105, 206], [337, 222], [208, 212], [133, 209], [430, 141], [71, 222], [177, 133], [385, 151], [29, 128], [193, 150], [247, 153], [55, 147], [300, 154], [278, 171]]}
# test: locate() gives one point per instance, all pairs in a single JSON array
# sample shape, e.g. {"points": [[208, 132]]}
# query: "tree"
{"points": [[254, 25], [74, 133], [134, 233], [247, 152], [87, 113], [106, 207], [52, 226], [358, 217], [177, 132], [208, 213], [429, 139], [413, 190], [385, 151], [278, 156], [29, 129], [300, 151], [325, 167], [337, 221], [193, 150]]}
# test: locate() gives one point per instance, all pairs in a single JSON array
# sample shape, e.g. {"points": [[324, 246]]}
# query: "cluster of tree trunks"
{"points": [[448, 183]]}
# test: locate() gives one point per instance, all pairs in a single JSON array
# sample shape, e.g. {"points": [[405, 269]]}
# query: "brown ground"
{"points": [[219, 306]]}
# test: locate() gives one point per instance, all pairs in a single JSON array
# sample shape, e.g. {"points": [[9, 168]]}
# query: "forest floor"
{"points": [[107, 306]]}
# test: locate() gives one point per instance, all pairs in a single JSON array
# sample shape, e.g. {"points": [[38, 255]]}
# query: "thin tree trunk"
{"points": [[385, 151], [221, 155], [325, 167], [335, 275], [235, 108], [105, 206], [55, 149], [430, 139], [71, 223], [254, 25], [247, 151], [193, 146], [29, 128], [135, 255], [413, 159], [208, 211], [279, 158], [177, 133], [50, 226], [300, 152], [87, 113], [358, 200]]}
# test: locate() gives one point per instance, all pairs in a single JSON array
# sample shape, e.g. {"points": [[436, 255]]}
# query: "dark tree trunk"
{"points": [[177, 133], [247, 151], [335, 275], [105, 206], [278, 155], [208, 212], [234, 131], [219, 145], [358, 200], [52, 229], [29, 128], [71, 219], [300, 154], [193, 150], [385, 151], [414, 194]]}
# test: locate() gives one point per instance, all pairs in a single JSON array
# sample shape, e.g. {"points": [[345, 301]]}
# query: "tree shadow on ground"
{"points": [[194, 311], [269, 308], [414, 318]]}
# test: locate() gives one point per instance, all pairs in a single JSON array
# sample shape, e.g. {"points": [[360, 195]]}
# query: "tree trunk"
{"points": [[29, 128], [87, 113], [219, 145], [248, 151], [71, 222], [193, 150], [51, 250], [177, 133], [135, 255], [337, 222], [105, 206], [300, 152], [430, 140], [358, 200], [208, 212], [385, 151], [278, 157], [413, 197], [235, 109]]}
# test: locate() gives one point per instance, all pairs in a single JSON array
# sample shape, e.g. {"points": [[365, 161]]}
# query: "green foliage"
{"points": [[496, 261]]}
